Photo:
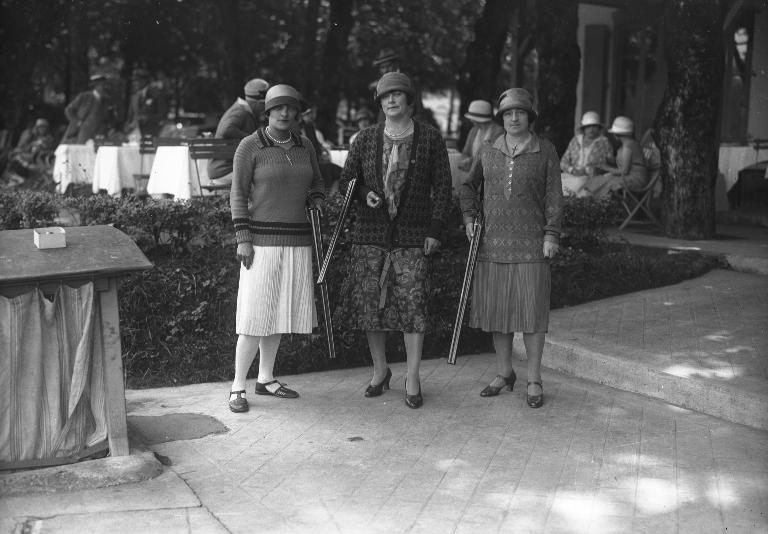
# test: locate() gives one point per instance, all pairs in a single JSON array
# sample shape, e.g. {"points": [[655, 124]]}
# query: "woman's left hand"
{"points": [[431, 245], [550, 249]]}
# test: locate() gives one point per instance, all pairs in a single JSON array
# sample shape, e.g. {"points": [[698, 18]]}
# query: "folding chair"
{"points": [[211, 148], [639, 200]]}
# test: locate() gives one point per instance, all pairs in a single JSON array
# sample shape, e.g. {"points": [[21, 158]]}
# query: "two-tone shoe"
{"points": [[508, 382]]}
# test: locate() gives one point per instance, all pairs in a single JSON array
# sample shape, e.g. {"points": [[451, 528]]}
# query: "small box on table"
{"points": [[50, 237]]}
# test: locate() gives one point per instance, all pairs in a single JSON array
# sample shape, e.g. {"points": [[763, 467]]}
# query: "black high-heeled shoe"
{"points": [[535, 401], [378, 389], [413, 401], [492, 391]]}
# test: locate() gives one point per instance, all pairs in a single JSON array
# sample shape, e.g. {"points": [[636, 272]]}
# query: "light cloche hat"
{"points": [[479, 111], [622, 126], [590, 118], [282, 94]]}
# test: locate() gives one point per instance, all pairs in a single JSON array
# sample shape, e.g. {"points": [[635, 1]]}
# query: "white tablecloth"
{"points": [[457, 175], [173, 172], [339, 157], [732, 159], [115, 166], [73, 165]]}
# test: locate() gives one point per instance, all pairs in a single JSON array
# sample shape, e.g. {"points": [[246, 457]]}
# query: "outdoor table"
{"points": [[73, 165], [173, 173], [115, 166], [93, 254]]}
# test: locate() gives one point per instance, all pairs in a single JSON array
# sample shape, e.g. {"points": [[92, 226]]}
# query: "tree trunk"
{"points": [[478, 76], [308, 46], [334, 63], [686, 122], [559, 62], [77, 56], [229, 12]]}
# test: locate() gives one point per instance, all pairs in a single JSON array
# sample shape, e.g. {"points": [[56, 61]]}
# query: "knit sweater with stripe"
{"points": [[270, 191], [425, 202]]}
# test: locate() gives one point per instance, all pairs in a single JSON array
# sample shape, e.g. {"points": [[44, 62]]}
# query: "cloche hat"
{"points": [[518, 98], [387, 55], [282, 94], [590, 118], [622, 126], [479, 111], [394, 81]]}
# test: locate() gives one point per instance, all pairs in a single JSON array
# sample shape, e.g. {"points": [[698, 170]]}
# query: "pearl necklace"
{"points": [[401, 132], [266, 130]]}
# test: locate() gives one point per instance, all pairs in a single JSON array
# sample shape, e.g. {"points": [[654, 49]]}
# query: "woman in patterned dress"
{"points": [[516, 183], [403, 198]]}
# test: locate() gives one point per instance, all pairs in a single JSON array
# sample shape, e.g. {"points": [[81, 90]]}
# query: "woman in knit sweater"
{"points": [[403, 195], [276, 176], [516, 183]]}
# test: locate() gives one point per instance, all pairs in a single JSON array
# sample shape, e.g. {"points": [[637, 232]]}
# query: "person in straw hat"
{"points": [[587, 154], [403, 201], [276, 176], [484, 129], [630, 170], [516, 184]]}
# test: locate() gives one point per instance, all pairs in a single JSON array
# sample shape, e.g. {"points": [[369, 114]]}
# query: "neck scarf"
{"points": [[396, 153]]}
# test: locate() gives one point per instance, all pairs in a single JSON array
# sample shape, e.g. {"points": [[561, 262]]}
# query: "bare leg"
{"points": [[245, 352], [414, 341], [534, 347], [268, 351], [502, 343], [377, 340]]}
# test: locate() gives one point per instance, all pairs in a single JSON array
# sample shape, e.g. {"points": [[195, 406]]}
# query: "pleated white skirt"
{"points": [[276, 295]]}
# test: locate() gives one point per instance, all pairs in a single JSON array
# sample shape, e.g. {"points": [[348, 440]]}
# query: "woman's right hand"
{"points": [[245, 254], [469, 228]]}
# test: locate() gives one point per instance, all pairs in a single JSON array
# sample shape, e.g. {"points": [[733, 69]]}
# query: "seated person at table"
{"points": [[148, 108], [33, 153], [238, 122], [630, 170], [483, 129], [90, 114], [588, 151], [363, 118]]}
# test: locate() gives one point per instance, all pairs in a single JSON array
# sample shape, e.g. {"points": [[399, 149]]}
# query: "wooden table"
{"points": [[93, 253]]}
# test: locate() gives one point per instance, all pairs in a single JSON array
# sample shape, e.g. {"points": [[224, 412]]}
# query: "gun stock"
{"points": [[465, 288], [337, 230]]}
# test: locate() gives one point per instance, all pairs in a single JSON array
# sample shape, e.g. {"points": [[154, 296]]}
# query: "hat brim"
{"points": [[599, 125], [478, 118], [620, 131], [282, 101]]}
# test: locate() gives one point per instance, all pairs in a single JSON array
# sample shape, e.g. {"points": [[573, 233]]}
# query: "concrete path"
{"points": [[592, 459]]}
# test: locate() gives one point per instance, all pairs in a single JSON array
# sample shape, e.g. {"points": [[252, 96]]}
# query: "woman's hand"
{"points": [[316, 204], [373, 199], [469, 228], [431, 245], [550, 249], [245, 254]]}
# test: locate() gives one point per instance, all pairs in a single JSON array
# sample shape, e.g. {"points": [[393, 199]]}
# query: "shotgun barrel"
{"points": [[317, 239], [337, 230], [465, 287]]}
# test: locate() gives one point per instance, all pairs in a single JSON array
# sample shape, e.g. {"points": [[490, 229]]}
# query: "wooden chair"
{"points": [[212, 148], [146, 146]]}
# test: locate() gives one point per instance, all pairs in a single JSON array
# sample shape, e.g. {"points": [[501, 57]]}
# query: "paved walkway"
{"points": [[594, 459]]}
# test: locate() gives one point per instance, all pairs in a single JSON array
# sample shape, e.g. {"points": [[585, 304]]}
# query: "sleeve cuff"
{"points": [[243, 236], [552, 237]]}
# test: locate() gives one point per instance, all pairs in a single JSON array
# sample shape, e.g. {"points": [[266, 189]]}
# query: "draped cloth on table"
{"points": [[52, 393]]}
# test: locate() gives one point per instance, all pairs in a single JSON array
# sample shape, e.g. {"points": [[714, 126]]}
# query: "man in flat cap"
{"points": [[91, 113], [238, 122]]}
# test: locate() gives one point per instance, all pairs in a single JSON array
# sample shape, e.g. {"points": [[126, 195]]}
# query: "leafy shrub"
{"points": [[177, 319]]}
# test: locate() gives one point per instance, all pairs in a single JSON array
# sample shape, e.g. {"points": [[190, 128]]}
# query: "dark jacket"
{"points": [[238, 122], [88, 117], [425, 203]]}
